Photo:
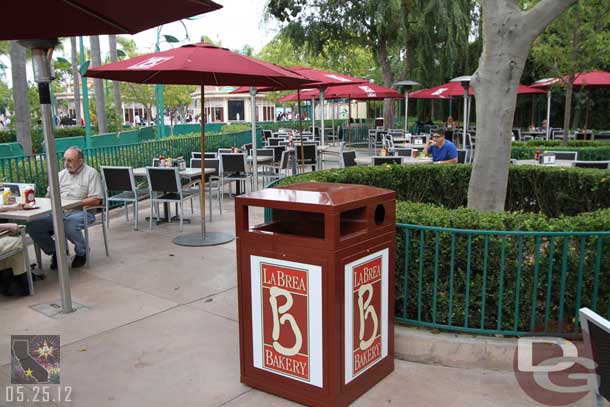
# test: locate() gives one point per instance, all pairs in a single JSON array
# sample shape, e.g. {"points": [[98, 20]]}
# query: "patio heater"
{"points": [[549, 82], [408, 84], [465, 81], [42, 50]]}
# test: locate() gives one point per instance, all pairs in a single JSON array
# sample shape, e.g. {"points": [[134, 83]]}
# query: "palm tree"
{"points": [[118, 104], [100, 106], [75, 79], [21, 116]]}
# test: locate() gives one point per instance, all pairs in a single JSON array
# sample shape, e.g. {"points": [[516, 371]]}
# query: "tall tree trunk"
{"points": [[75, 79], [20, 97], [388, 80], [98, 84], [508, 34], [567, 112], [118, 104]]}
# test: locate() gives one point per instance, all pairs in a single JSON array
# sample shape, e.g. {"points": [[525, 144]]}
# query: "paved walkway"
{"points": [[160, 329]]}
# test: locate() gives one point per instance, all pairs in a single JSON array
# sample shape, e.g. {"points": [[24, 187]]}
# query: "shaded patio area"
{"points": [[159, 327]]}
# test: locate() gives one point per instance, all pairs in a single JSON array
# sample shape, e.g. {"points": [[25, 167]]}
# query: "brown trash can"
{"points": [[316, 291]]}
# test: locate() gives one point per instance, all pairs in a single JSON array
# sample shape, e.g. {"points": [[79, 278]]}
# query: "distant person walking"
{"points": [[136, 120]]}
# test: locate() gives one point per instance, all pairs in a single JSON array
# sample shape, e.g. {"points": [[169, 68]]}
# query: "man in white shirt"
{"points": [[76, 181]]}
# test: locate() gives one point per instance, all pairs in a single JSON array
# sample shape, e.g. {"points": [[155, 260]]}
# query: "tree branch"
{"points": [[544, 12]]}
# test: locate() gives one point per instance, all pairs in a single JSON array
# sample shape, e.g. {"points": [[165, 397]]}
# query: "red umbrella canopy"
{"points": [[306, 94], [318, 78], [68, 18], [201, 63], [455, 89], [585, 79], [362, 91]]}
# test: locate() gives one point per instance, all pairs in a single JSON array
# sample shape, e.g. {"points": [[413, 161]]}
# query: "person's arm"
{"points": [[450, 161], [9, 227], [15, 207], [91, 201], [452, 156], [429, 144], [95, 193]]}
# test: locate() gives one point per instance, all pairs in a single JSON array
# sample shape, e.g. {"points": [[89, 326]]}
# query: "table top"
{"points": [[558, 163], [261, 158], [43, 208], [534, 133], [187, 173], [405, 160]]}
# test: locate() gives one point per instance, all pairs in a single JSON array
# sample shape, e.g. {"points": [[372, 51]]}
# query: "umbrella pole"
{"points": [[301, 132], [202, 203], [42, 72], [406, 111], [322, 116], [253, 121], [548, 113], [349, 119], [203, 239]]}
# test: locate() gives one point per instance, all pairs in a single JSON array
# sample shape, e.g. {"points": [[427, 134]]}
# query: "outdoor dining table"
{"points": [[43, 208], [405, 160], [558, 163], [188, 173], [533, 133], [261, 159]]}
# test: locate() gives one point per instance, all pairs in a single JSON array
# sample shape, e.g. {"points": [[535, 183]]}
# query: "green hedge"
{"points": [[557, 143], [505, 275], [553, 191], [584, 153]]}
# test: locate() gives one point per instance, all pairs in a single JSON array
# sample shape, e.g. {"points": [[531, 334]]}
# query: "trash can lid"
{"points": [[318, 194]]}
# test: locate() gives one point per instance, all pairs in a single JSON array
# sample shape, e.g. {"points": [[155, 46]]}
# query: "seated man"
{"points": [[443, 151], [76, 181], [16, 263]]}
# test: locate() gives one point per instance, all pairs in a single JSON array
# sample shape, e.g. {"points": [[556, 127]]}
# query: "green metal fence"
{"points": [[33, 168], [500, 282]]}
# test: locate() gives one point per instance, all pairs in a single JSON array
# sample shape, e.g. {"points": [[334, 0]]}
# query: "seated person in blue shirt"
{"points": [[443, 151]]}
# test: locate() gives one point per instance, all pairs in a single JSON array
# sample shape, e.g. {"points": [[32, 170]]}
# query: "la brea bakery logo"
{"points": [[285, 323]]}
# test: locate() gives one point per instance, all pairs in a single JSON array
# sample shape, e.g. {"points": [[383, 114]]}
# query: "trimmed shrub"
{"points": [[553, 191], [584, 153]]}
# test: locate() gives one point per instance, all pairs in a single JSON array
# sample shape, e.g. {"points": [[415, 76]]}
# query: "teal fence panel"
{"points": [[147, 133], [129, 137], [182, 129], [11, 150], [500, 282], [62, 144], [104, 140]]}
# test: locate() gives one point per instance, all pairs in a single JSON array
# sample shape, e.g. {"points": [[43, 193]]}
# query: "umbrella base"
{"points": [[197, 240]]}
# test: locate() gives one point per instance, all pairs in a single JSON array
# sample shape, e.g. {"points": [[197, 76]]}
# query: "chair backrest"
{"points": [[526, 138], [388, 142], [213, 163], [602, 165], [403, 152], [386, 160], [277, 153], [285, 159], [273, 141], [163, 179], [208, 155], [196, 154], [16, 187], [348, 159], [267, 134], [516, 133], [233, 163], [461, 156], [596, 338], [156, 162], [308, 151], [247, 148], [264, 152], [224, 151], [195, 162], [118, 179], [565, 155]]}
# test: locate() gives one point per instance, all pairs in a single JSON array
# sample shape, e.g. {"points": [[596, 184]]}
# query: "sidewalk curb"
{"points": [[454, 350]]}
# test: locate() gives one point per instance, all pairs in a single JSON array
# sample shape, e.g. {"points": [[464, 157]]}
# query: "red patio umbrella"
{"points": [[319, 79], [51, 19], [202, 64], [69, 18]]}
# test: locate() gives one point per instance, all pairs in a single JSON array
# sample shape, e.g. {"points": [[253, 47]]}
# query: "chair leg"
{"points": [[104, 232], [210, 198], [107, 217], [38, 256], [152, 214], [26, 260], [192, 206], [135, 215], [126, 211], [87, 253], [181, 214]]}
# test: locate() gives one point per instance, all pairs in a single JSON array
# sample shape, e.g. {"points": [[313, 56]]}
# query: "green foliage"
{"points": [[556, 143], [512, 274], [552, 191], [584, 153]]}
